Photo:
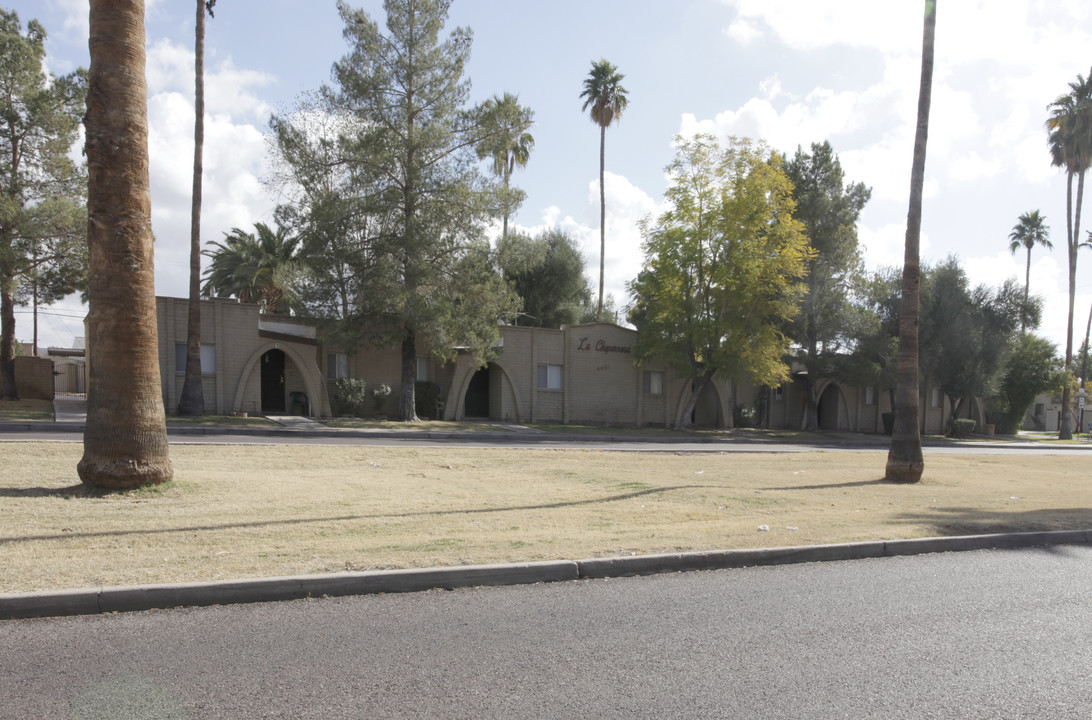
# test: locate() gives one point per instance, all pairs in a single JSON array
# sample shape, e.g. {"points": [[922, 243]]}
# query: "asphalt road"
{"points": [[74, 433], [987, 634]]}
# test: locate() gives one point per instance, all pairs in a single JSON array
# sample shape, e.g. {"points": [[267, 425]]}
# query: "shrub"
{"points": [[380, 394], [348, 396], [744, 416], [962, 427]]}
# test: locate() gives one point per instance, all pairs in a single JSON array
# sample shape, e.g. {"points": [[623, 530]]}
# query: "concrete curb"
{"points": [[147, 597], [866, 443], [93, 601]]}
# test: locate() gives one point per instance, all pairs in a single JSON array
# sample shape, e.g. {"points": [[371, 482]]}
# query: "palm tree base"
{"points": [[123, 474], [903, 471]]}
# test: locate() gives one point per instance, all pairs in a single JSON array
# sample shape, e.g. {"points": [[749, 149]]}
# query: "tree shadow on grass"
{"points": [[832, 486], [66, 493], [303, 521], [976, 521]]}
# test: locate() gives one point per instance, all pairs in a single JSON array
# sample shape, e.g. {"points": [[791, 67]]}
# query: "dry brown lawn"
{"points": [[249, 511]]}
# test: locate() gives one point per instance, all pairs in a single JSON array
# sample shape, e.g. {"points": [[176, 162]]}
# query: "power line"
{"points": [[47, 312]]}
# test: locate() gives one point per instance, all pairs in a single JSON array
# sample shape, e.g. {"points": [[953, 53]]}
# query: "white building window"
{"points": [[934, 397], [549, 377], [208, 358], [422, 369], [870, 395], [337, 366], [653, 382], [779, 393]]}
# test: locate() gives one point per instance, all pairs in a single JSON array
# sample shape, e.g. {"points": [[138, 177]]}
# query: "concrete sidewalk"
{"points": [[70, 410]]}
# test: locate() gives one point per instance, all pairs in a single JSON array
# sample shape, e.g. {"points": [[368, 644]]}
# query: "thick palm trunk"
{"points": [[602, 217], [905, 462], [192, 401], [125, 441]]}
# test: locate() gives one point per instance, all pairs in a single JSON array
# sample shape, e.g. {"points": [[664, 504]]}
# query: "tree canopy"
{"points": [[507, 142], [829, 209], [547, 272], [254, 267], [396, 225], [43, 209], [723, 266]]}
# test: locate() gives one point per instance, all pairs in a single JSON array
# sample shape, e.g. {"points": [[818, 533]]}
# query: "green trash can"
{"points": [[297, 398]]}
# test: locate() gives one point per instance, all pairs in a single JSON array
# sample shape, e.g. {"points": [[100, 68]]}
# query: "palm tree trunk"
{"points": [[602, 217], [905, 462], [1065, 430], [1027, 287], [1087, 350], [125, 441], [192, 401]]}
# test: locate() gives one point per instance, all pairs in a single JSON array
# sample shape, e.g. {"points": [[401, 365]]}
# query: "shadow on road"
{"points": [[976, 521]]}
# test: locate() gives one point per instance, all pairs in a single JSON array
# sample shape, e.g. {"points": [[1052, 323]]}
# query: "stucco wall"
{"points": [[34, 378]]}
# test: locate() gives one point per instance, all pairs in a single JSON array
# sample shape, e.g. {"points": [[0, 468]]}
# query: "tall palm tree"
{"points": [[1029, 231], [125, 440], [252, 267], [507, 141], [1069, 134], [192, 400], [604, 94], [905, 462]]}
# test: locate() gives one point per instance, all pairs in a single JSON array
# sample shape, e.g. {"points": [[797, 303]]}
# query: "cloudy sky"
{"points": [[791, 72]]}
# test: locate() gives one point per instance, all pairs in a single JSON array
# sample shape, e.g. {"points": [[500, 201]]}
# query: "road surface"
{"points": [[987, 634]]}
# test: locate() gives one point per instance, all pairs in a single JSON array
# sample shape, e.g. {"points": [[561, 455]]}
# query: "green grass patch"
{"points": [[26, 410], [218, 420]]}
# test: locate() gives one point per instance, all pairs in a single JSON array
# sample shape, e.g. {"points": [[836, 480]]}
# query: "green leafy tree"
{"points": [[723, 266], [253, 267], [966, 333], [125, 440], [1030, 230], [192, 399], [547, 272], [417, 205], [43, 215], [829, 209], [873, 358], [1069, 131], [905, 462], [606, 97], [508, 144], [329, 207], [1032, 366]]}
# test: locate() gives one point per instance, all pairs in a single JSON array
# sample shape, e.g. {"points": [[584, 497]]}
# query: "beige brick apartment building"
{"points": [[582, 374]]}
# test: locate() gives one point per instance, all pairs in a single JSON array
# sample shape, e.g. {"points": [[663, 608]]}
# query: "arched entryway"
{"points": [[273, 381], [827, 411], [476, 404], [706, 411]]}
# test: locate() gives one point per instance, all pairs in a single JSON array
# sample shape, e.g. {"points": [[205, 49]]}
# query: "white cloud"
{"points": [[233, 159], [813, 25]]}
